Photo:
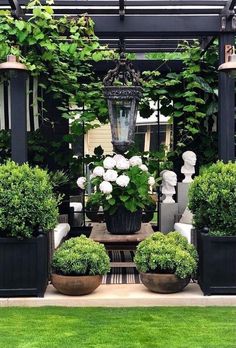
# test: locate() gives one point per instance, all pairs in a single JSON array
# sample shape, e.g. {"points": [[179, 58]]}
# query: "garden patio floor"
{"points": [[123, 295]]}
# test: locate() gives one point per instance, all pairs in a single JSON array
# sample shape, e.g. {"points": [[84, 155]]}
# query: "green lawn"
{"points": [[43, 327]]}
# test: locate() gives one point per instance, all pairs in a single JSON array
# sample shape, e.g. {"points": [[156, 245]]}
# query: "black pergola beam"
{"points": [[149, 26], [231, 4], [16, 9], [130, 3], [110, 10], [141, 65], [229, 7], [149, 46], [122, 9]]}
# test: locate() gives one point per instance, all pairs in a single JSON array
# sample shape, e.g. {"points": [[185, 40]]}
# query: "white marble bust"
{"points": [[169, 181], [188, 169]]}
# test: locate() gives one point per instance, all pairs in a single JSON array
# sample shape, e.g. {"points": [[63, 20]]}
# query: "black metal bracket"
{"points": [[122, 9], [206, 42], [16, 9], [228, 18]]}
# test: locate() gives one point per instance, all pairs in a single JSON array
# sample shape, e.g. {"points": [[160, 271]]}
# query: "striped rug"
{"points": [[121, 275]]}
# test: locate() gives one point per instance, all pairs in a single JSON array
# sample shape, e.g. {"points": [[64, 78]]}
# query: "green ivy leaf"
{"points": [[20, 25], [190, 108]]}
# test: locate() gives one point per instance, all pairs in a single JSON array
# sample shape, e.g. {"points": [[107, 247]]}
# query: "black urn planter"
{"points": [[217, 264], [24, 266], [123, 221], [93, 213]]}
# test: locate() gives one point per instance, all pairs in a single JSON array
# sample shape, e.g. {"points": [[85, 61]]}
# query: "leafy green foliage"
{"points": [[189, 98], [212, 199], [5, 151], [40, 149], [81, 256], [27, 201], [169, 253], [156, 161], [57, 50]]}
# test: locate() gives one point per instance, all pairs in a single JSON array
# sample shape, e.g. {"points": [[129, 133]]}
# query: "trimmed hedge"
{"points": [[169, 253], [212, 199], [81, 256], [27, 201]]}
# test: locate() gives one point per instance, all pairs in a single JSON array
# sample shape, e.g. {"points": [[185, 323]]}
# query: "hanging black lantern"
{"points": [[123, 93]]}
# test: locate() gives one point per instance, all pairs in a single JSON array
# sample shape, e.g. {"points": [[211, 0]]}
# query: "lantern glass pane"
{"points": [[121, 112]]}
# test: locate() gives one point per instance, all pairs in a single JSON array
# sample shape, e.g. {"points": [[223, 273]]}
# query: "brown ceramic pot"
{"points": [[76, 285], [163, 283]]}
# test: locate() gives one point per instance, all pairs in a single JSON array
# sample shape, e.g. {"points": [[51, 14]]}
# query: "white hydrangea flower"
{"points": [[81, 182], [110, 175], [135, 161], [151, 181], [143, 167], [123, 180], [122, 164], [98, 171], [109, 163], [105, 187], [119, 157]]}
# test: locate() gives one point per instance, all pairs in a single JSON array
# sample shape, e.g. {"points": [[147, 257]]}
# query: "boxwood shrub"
{"points": [[27, 201], [81, 256], [169, 253], [212, 199]]}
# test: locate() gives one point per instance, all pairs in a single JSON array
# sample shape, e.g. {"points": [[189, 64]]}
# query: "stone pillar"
{"points": [[168, 212], [182, 196]]}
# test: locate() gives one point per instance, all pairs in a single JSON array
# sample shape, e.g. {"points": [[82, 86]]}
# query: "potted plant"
{"points": [[78, 265], [28, 210], [166, 262], [212, 199], [122, 187]]}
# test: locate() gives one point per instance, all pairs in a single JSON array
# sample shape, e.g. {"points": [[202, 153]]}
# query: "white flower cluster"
{"points": [[81, 182], [105, 187], [109, 174], [123, 180]]}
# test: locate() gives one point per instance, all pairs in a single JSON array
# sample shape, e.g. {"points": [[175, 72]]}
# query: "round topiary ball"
{"points": [[166, 254], [81, 256]]}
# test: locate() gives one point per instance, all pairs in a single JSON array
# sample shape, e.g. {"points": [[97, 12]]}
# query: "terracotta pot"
{"points": [[163, 283], [123, 221], [76, 285]]}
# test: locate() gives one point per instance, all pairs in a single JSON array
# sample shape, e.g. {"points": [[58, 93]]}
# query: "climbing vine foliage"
{"points": [[189, 97], [58, 52]]}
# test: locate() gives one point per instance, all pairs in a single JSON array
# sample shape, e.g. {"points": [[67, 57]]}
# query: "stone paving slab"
{"points": [[123, 295]]}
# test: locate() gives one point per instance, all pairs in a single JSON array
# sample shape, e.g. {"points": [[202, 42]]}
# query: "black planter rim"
{"points": [[218, 238]]}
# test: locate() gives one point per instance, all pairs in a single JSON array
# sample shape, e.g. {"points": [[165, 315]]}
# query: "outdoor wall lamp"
{"points": [[17, 75], [12, 64], [123, 92], [230, 61]]}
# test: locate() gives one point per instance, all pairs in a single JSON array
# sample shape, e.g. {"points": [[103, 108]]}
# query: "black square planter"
{"points": [[23, 266], [217, 264]]}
